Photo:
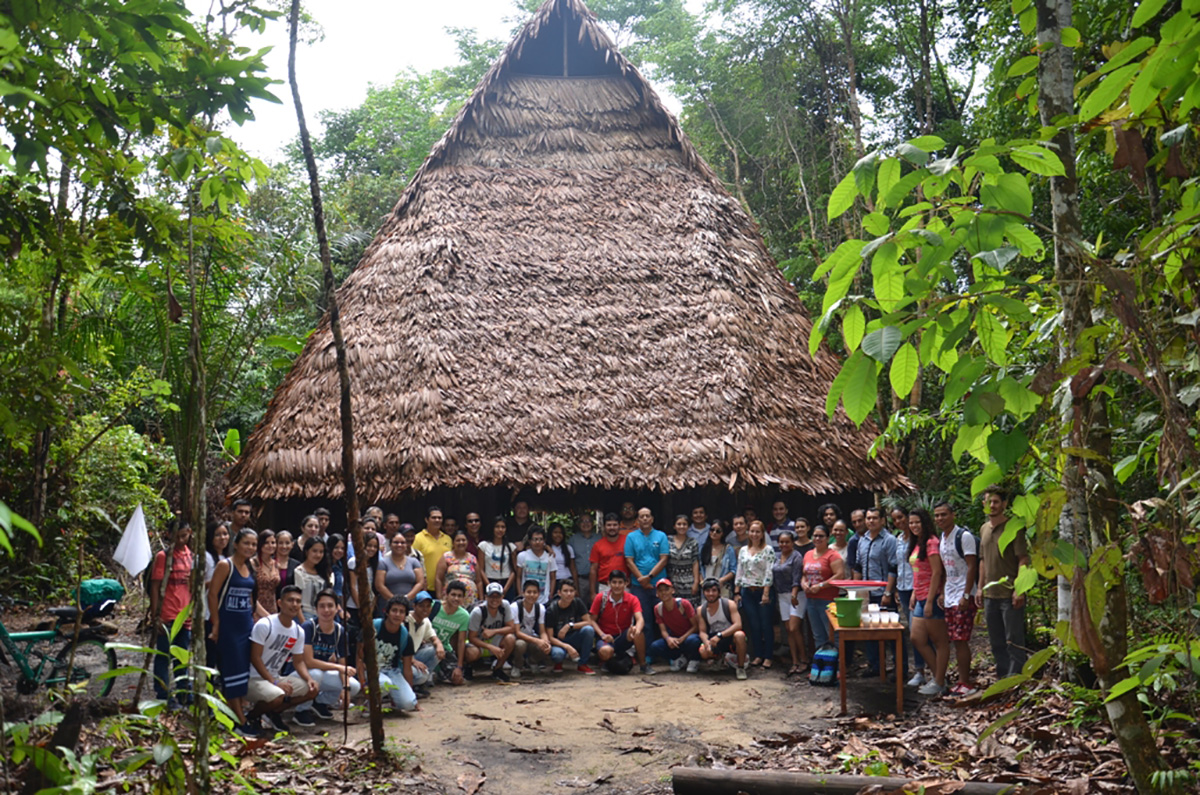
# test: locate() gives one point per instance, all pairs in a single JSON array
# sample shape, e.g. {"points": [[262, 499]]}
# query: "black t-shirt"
{"points": [[803, 549], [558, 616], [393, 646], [326, 647]]}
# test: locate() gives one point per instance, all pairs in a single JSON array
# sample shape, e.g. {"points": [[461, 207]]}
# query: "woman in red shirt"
{"points": [[822, 563], [929, 635]]}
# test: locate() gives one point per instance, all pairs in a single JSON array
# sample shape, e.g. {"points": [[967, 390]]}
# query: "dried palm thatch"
{"points": [[564, 296]]}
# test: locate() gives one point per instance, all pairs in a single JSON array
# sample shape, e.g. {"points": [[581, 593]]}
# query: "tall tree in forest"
{"points": [[1090, 516], [375, 706]]}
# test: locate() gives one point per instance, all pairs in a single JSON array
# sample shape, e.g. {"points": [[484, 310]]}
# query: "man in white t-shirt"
{"points": [[960, 556], [529, 617], [537, 564], [274, 641]]}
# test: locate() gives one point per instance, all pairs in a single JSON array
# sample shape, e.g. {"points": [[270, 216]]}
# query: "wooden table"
{"points": [[880, 634]]}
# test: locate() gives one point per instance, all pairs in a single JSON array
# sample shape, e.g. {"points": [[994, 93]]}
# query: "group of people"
{"points": [[449, 601]]}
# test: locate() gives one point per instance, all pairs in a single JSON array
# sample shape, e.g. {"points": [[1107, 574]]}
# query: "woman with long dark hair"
{"points": [[370, 559], [564, 556], [337, 567], [231, 603], [792, 602], [459, 564], [719, 558], [822, 564], [266, 576], [755, 575], [399, 574], [904, 590], [929, 635], [312, 575], [216, 549], [683, 561], [310, 527], [498, 558]]}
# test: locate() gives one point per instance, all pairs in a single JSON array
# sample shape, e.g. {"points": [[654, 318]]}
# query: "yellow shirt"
{"points": [[432, 549]]}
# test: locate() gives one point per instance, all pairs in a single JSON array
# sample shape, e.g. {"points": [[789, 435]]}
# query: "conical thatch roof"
{"points": [[564, 296]]}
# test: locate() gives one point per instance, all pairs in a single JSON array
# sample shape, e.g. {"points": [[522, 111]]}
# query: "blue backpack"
{"points": [[824, 669]]}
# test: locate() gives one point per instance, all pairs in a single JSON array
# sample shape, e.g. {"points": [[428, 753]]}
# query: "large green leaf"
{"points": [[1039, 160], [1146, 11], [1007, 448], [887, 277], [1104, 94], [889, 175], [847, 250], [882, 343], [842, 198], [862, 386], [1023, 66], [993, 336], [853, 326], [904, 370], [961, 378], [1019, 400], [1010, 193], [928, 143]]}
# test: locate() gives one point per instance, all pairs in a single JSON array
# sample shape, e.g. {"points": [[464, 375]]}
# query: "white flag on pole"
{"points": [[133, 552]]}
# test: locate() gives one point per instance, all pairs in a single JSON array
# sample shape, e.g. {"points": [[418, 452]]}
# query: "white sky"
{"points": [[366, 43]]}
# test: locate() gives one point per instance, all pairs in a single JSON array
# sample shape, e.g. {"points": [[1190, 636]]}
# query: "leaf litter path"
{"points": [[567, 732]]}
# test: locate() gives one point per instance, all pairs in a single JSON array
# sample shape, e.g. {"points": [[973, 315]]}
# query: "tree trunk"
{"points": [[366, 603], [1091, 514], [192, 478]]}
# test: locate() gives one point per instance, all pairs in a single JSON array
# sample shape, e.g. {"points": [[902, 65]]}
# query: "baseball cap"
{"points": [[495, 588], [423, 596], [663, 581]]}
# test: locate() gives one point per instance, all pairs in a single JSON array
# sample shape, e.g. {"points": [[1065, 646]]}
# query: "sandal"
{"points": [[767, 665], [756, 662], [794, 670]]}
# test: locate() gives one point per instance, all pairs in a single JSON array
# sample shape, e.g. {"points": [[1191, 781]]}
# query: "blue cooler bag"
{"points": [[824, 666]]}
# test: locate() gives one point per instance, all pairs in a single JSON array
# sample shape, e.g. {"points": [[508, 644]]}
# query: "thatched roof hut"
{"points": [[564, 297]]}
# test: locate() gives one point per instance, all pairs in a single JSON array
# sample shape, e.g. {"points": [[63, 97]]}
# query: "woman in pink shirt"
{"points": [[822, 563], [929, 635]]}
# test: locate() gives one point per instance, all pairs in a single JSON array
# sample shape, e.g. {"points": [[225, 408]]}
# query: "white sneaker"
{"points": [[917, 680], [932, 688], [677, 664], [514, 672], [693, 666], [741, 673]]}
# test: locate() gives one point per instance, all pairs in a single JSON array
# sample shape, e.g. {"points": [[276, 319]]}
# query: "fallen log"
{"points": [[705, 781]]}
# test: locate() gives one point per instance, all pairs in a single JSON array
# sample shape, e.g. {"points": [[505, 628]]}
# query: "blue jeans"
{"points": [[690, 649], [165, 664], [649, 600], [393, 683], [758, 622], [581, 639], [906, 620], [426, 655], [818, 620]]}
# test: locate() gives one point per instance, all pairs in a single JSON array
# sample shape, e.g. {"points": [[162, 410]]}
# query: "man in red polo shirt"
{"points": [[618, 614], [608, 554]]}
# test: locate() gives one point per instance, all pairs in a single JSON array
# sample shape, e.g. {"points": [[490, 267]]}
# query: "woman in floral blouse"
{"points": [[754, 577]]}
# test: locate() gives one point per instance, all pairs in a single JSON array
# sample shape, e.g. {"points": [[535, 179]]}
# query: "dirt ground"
{"points": [[557, 732]]}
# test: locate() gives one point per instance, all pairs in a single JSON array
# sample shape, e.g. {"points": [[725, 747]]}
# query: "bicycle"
{"points": [[51, 667]]}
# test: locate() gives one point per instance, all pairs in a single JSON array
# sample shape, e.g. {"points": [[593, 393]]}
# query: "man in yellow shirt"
{"points": [[431, 542]]}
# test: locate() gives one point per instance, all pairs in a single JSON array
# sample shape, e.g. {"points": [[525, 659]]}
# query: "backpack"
{"points": [[824, 669], [619, 664], [958, 546], [537, 614]]}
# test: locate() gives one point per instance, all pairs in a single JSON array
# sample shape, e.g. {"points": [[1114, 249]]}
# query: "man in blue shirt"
{"points": [[646, 552]]}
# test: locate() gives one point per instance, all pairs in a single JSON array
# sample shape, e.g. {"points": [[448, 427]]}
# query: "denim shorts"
{"points": [[938, 613]]}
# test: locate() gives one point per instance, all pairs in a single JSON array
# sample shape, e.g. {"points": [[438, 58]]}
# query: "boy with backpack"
{"points": [[529, 616]]}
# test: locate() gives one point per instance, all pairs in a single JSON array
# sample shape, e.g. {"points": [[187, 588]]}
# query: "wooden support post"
{"points": [[704, 781]]}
